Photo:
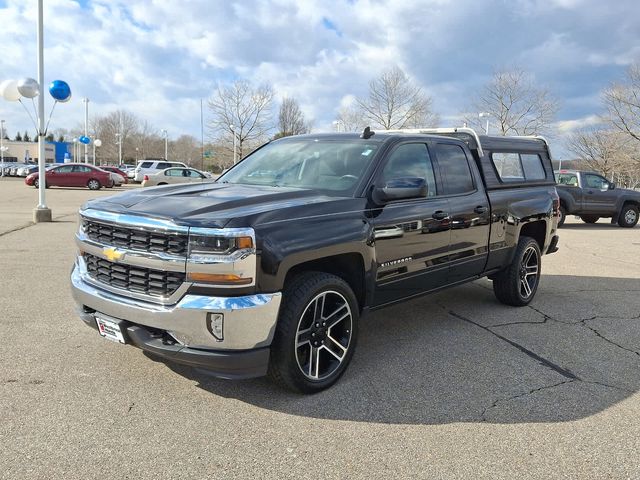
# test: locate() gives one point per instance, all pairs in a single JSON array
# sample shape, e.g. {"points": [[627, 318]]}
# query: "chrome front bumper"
{"points": [[249, 321]]}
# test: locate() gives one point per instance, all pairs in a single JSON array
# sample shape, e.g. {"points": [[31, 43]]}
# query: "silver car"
{"points": [[173, 175]]}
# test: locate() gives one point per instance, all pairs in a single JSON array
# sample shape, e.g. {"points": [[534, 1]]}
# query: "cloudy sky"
{"points": [[158, 58]]}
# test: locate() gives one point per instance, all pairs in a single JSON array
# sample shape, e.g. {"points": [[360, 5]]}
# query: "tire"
{"points": [[563, 216], [93, 184], [163, 183], [517, 284], [311, 301], [36, 183], [589, 218], [628, 216]]}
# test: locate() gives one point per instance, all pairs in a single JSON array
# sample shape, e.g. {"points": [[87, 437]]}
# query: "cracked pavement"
{"points": [[452, 385]]}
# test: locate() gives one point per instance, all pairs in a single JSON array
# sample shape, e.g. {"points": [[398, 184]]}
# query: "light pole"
{"points": [[86, 128], [337, 123], [166, 144], [235, 150], [119, 143], [137, 150], [41, 213], [75, 150], [482, 115], [2, 147]]}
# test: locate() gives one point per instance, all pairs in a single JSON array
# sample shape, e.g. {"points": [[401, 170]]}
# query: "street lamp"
{"points": [[337, 123], [75, 150], [86, 128], [482, 115], [235, 150], [166, 144], [96, 143], [2, 147], [137, 150]]}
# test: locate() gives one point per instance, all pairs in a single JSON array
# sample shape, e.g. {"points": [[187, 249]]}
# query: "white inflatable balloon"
{"points": [[97, 142], [9, 90], [28, 87]]}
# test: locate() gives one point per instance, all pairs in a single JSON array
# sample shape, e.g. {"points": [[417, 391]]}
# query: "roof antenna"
{"points": [[367, 133]]}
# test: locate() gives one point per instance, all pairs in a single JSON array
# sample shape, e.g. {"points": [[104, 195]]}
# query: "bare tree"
{"points": [[350, 119], [291, 120], [623, 103], [244, 111], [395, 102], [187, 149], [514, 104], [602, 150]]}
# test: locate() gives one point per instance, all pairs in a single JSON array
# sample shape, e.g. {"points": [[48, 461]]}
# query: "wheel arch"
{"points": [[349, 267]]}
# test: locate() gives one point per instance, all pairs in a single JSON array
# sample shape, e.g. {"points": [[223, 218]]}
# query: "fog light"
{"points": [[215, 325]]}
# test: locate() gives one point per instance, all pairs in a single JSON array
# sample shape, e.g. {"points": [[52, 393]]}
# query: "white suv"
{"points": [[149, 167]]}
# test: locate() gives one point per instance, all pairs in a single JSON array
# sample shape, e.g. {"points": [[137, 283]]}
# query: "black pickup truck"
{"points": [[591, 196], [270, 268]]}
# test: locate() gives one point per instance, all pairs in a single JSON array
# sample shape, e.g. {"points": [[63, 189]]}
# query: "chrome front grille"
{"points": [[147, 281], [135, 239]]}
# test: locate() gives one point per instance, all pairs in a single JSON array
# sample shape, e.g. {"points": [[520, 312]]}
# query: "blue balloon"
{"points": [[85, 140], [59, 89]]}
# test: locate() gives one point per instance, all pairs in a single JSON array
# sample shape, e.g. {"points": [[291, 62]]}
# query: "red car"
{"points": [[112, 169], [73, 175]]}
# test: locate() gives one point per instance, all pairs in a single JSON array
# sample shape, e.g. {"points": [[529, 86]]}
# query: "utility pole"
{"points": [[86, 128], [201, 136], [166, 144], [2, 148]]}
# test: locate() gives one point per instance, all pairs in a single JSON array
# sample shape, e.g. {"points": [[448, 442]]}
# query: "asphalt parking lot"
{"points": [[453, 385]]}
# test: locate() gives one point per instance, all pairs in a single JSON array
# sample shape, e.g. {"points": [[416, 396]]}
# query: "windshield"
{"points": [[332, 165]]}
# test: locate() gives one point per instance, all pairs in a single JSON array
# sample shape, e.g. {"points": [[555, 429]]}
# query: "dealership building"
{"points": [[23, 152]]}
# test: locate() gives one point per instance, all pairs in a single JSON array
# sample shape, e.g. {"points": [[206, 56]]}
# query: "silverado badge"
{"points": [[112, 254]]}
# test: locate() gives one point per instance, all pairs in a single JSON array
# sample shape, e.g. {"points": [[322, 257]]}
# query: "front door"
{"points": [[597, 198], [411, 236]]}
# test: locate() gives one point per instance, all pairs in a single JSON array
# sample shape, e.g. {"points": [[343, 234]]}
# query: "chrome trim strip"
{"points": [[157, 261], [249, 321], [81, 267], [135, 221]]}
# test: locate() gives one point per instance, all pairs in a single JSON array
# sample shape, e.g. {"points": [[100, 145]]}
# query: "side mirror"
{"points": [[612, 186], [400, 189]]}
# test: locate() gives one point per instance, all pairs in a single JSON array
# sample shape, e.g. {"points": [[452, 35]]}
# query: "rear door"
{"points": [[411, 236], [468, 209]]}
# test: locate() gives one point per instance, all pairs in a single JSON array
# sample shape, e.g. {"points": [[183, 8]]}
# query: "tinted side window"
{"points": [[455, 169], [163, 165], [146, 164], [411, 160], [508, 166], [532, 165], [594, 181], [177, 165]]}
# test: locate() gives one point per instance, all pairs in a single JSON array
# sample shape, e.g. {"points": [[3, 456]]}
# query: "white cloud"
{"points": [[158, 58]]}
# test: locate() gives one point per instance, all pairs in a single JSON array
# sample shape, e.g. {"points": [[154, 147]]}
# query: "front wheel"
{"points": [[628, 216], [93, 184], [517, 284], [316, 334], [589, 218]]}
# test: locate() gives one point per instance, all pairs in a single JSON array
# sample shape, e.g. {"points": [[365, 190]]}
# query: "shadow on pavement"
{"points": [[460, 356]]}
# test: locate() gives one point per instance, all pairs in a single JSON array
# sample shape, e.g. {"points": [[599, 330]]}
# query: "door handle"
{"points": [[480, 209], [439, 215]]}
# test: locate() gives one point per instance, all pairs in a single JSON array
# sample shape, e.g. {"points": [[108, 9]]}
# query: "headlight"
{"points": [[223, 257]]}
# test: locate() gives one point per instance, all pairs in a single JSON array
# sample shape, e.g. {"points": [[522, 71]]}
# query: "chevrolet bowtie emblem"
{"points": [[112, 254]]}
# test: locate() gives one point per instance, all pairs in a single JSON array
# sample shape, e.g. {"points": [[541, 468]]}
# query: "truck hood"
{"points": [[208, 204]]}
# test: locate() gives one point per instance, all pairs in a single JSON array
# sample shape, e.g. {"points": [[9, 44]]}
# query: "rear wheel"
{"points": [[93, 184], [562, 214], [517, 284], [36, 183], [316, 333], [628, 216], [589, 218]]}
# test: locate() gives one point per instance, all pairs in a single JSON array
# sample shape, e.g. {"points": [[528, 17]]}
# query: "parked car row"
{"points": [[18, 169]]}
